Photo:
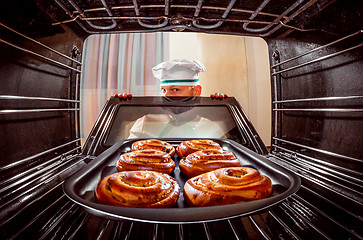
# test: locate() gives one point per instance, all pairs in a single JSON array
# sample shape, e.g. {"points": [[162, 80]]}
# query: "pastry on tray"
{"points": [[141, 189], [153, 144], [148, 159], [226, 186], [207, 160], [187, 147]]}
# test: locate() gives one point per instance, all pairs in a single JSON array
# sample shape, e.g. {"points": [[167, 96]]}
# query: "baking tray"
{"points": [[80, 188]]}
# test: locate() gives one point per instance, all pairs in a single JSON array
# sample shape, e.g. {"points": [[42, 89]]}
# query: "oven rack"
{"points": [[319, 165], [76, 69], [24, 178], [268, 22], [279, 101], [340, 183], [76, 61], [75, 222]]}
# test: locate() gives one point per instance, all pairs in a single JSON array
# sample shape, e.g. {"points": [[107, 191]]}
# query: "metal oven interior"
{"points": [[315, 49]]}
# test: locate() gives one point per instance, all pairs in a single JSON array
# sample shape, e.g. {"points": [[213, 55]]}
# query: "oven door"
{"points": [[160, 117]]}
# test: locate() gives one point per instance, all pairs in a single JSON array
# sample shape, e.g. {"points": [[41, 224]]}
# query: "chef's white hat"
{"points": [[178, 72]]}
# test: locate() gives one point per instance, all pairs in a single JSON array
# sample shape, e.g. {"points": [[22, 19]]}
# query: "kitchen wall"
{"points": [[237, 66]]}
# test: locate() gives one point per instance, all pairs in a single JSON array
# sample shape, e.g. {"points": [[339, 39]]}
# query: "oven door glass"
{"points": [[173, 122]]}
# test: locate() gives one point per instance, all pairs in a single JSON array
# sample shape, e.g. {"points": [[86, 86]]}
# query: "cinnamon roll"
{"points": [[207, 160], [148, 159], [153, 144], [187, 147], [142, 189], [226, 186]]}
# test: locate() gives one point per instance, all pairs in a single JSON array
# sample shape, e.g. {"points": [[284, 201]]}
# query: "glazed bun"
{"points": [[190, 146], [226, 186], [141, 189], [207, 160], [148, 159], [153, 144]]}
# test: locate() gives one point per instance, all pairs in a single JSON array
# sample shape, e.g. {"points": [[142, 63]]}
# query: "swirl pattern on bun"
{"points": [[226, 186], [190, 146], [207, 160], [153, 144], [141, 189], [148, 159]]}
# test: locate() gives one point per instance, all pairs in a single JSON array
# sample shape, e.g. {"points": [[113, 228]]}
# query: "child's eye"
{"points": [[175, 89]]}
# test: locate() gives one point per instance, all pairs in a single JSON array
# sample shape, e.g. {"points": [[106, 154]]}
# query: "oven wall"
{"points": [[25, 75], [318, 131], [39, 105]]}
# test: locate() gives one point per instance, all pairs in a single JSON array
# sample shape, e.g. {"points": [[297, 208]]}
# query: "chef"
{"points": [[178, 78]]}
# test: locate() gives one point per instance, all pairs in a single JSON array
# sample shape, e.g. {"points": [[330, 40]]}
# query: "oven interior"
{"points": [[315, 49]]}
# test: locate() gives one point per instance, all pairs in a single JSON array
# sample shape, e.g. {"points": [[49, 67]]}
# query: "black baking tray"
{"points": [[80, 188]]}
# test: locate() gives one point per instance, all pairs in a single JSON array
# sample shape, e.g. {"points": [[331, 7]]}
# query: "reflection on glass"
{"points": [[173, 122]]}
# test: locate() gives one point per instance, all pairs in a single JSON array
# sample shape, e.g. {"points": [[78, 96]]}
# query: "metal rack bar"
{"points": [[318, 59], [40, 56], [155, 231], [284, 225], [38, 110], [279, 162], [297, 171], [313, 226], [277, 20], [292, 16], [82, 217], [128, 235], [320, 110], [73, 19], [20, 196], [103, 230], [180, 232], [14, 164], [318, 48], [11, 97], [234, 230], [254, 14], [207, 232], [275, 130], [108, 10], [318, 99], [76, 98], [118, 229], [321, 172], [336, 205], [22, 184], [47, 208], [319, 150], [41, 44], [219, 23], [303, 202], [58, 221], [163, 24], [28, 175], [327, 164], [260, 230]]}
